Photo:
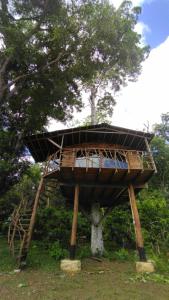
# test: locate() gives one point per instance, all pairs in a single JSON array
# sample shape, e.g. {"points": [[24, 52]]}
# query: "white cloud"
{"points": [[143, 29], [146, 99], [135, 2]]}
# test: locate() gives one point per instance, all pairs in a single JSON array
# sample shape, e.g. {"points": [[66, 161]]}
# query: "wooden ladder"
{"points": [[22, 221]]}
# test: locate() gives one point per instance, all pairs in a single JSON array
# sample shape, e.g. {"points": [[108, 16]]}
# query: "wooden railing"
{"points": [[100, 158]]}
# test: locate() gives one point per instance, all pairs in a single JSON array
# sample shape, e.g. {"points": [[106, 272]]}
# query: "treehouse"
{"points": [[100, 163]]}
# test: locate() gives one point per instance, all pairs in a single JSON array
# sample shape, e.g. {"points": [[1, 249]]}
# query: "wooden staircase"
{"points": [[23, 218]]}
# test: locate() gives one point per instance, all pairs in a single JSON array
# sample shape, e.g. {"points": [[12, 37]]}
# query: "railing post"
{"points": [[150, 155]]}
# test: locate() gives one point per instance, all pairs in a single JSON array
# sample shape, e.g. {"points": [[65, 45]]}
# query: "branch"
{"points": [[56, 60], [6, 62]]}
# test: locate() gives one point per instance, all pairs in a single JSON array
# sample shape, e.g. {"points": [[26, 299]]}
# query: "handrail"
{"points": [[90, 157]]}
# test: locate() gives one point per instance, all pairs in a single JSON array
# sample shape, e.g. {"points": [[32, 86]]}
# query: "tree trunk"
{"points": [[93, 105], [97, 245]]}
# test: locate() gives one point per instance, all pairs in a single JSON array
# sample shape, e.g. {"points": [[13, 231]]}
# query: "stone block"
{"points": [[144, 267], [70, 266]]}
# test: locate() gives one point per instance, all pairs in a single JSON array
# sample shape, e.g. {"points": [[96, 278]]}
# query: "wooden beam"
{"points": [[74, 223], [55, 144], [32, 220], [137, 224], [102, 185]]}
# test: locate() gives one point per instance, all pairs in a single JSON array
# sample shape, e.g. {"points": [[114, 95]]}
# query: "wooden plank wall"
{"points": [[134, 160]]}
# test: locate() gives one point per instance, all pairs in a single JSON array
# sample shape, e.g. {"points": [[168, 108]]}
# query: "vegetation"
{"points": [[98, 280], [50, 52], [53, 223]]}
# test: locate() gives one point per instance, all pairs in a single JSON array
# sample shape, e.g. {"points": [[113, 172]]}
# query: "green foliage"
{"points": [[84, 251], [7, 261], [145, 277], [57, 251], [117, 53], [54, 223], [160, 151], [154, 214], [161, 261], [122, 254], [162, 129], [24, 189], [118, 227], [49, 51]]}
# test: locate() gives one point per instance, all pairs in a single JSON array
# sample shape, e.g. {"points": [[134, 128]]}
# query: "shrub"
{"points": [[57, 252], [84, 252], [122, 254], [55, 223]]}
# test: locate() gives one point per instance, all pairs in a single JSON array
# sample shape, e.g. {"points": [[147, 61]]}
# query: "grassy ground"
{"points": [[98, 280]]}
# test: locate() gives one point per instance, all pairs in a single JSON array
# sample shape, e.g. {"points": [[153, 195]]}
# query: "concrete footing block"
{"points": [[145, 267], [70, 266]]}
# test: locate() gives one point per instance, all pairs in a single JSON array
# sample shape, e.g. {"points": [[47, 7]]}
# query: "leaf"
{"points": [[22, 285]]}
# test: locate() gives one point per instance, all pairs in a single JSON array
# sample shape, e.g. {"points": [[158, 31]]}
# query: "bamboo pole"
{"points": [[137, 224], [74, 223]]}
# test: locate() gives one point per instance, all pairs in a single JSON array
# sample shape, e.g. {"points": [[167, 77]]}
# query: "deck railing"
{"points": [[100, 158]]}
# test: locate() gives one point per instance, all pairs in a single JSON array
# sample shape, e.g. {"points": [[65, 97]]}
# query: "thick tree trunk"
{"points": [[97, 245]]}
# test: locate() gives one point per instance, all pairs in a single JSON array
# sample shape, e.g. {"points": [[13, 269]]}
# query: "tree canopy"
{"points": [[49, 52]]}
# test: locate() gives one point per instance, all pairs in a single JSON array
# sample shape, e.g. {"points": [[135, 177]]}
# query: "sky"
{"points": [[140, 104]]}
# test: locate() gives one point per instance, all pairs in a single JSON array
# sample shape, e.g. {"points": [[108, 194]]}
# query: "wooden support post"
{"points": [[74, 223], [137, 225], [27, 238]]}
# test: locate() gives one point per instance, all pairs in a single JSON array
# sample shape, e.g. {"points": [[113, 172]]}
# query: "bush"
{"points": [[55, 223], [84, 252], [57, 252], [122, 254]]}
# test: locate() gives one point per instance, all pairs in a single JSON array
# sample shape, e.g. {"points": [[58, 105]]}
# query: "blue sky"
{"points": [[156, 16]]}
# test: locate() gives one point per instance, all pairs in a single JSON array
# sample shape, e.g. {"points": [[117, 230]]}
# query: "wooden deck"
{"points": [[108, 186], [102, 174]]}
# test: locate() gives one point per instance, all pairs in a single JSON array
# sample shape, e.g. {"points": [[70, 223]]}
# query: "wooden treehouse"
{"points": [[102, 163]]}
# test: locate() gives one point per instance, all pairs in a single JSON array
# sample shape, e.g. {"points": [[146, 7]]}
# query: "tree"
{"points": [[161, 157], [25, 190], [119, 55], [117, 52], [160, 149], [162, 129], [37, 78], [49, 51]]}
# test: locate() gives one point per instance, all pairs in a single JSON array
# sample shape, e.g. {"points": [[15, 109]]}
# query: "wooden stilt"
{"points": [[27, 238], [74, 223], [137, 224]]}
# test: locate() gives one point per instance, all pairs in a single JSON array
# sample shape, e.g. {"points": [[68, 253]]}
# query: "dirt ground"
{"points": [[97, 280]]}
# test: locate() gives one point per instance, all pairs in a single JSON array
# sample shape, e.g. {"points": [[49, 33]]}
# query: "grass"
{"points": [[43, 280]]}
